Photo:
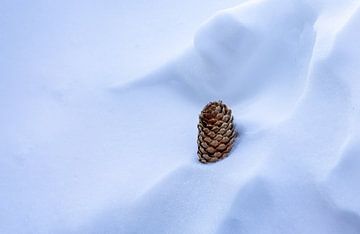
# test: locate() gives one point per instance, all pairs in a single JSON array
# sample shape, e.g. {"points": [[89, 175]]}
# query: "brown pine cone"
{"points": [[217, 132]]}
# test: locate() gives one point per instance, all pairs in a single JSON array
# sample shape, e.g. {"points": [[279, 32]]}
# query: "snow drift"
{"points": [[122, 159]]}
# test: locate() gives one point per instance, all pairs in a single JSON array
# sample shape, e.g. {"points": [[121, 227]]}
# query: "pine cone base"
{"points": [[217, 132]]}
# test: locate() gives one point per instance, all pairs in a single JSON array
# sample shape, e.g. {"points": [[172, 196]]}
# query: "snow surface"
{"points": [[100, 102]]}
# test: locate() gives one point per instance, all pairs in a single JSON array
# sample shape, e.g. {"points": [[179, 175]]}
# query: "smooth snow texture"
{"points": [[88, 157]]}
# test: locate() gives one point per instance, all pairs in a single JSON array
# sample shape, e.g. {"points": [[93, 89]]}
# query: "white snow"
{"points": [[99, 103]]}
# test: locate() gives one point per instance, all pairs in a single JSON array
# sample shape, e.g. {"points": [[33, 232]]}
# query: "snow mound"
{"points": [[122, 159]]}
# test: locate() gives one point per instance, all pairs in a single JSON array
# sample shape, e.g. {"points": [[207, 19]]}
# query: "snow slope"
{"points": [[94, 153]]}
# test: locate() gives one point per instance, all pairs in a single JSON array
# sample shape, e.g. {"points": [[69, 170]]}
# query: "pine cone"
{"points": [[217, 132]]}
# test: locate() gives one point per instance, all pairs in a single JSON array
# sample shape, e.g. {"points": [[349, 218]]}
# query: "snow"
{"points": [[100, 102]]}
